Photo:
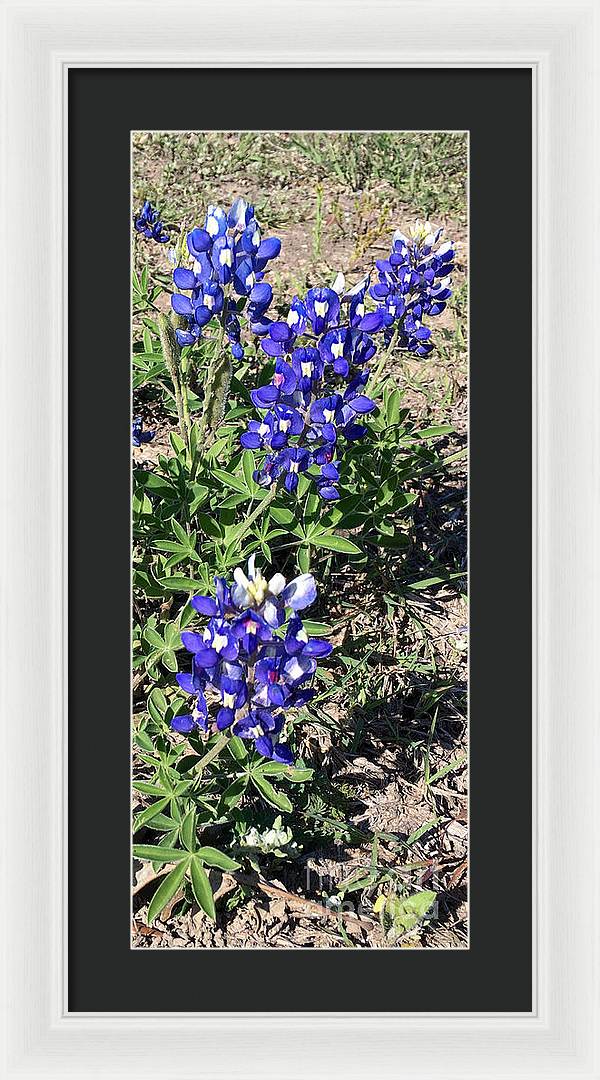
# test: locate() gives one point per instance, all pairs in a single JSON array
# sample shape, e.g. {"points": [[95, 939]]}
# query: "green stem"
{"points": [[216, 391], [383, 359], [241, 529], [212, 754], [171, 353]]}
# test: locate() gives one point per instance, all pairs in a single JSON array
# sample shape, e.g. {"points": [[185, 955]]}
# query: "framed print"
{"points": [[339, 847], [332, 798]]}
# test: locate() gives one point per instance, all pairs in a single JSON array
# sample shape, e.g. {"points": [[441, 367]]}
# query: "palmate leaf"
{"points": [[232, 795]]}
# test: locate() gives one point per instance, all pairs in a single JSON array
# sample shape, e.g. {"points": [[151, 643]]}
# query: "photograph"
{"points": [[299, 539]]}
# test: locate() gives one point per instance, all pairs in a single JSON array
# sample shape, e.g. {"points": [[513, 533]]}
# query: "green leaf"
{"points": [[148, 789], [188, 830], [268, 792], [333, 542], [397, 542], [232, 795], [143, 739], [213, 857], [209, 526], [153, 638], [201, 888], [167, 889], [431, 432], [158, 854], [456, 764], [281, 515], [426, 583], [150, 812], [418, 833], [304, 559], [170, 661], [176, 442], [287, 772], [237, 749], [230, 480], [248, 467], [317, 629], [178, 583]]}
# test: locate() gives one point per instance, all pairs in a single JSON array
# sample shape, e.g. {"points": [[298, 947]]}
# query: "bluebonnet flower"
{"points": [[148, 222], [307, 402], [255, 656], [322, 353], [229, 257], [138, 435], [413, 283]]}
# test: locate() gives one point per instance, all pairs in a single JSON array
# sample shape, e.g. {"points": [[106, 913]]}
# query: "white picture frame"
{"points": [[559, 41]]}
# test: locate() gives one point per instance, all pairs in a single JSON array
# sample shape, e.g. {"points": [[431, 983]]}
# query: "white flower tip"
{"points": [[276, 584], [240, 577], [339, 283]]}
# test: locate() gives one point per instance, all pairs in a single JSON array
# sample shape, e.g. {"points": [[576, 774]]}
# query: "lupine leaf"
{"points": [[268, 792], [167, 889], [233, 794], [316, 629], [333, 542], [230, 480], [401, 913], [178, 583], [201, 887], [158, 854], [213, 857], [188, 830], [151, 811], [237, 749]]}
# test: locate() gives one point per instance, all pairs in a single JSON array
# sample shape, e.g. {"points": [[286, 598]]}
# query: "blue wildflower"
{"points": [[413, 283], [257, 673], [148, 222], [138, 435], [229, 257]]}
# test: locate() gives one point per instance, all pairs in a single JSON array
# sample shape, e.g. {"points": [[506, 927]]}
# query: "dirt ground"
{"points": [[409, 713]]}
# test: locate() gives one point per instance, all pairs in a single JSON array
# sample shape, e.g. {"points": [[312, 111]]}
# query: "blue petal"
{"points": [[283, 754], [184, 279], [183, 724], [300, 593], [225, 718], [361, 404], [269, 249], [264, 746], [264, 396], [192, 642], [327, 491], [186, 682], [318, 648], [204, 604], [181, 304], [198, 240]]}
